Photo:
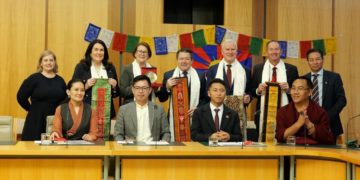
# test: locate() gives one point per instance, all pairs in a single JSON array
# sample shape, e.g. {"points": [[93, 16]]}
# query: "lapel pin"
{"points": [[227, 116]]}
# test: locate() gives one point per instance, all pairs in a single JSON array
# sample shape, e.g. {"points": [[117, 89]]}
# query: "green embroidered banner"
{"points": [[101, 103]]}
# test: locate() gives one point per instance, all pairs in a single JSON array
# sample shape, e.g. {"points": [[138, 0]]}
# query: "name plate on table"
{"points": [[150, 143], [71, 143]]}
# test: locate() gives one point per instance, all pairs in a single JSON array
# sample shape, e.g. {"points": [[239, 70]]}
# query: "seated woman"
{"points": [[75, 120]]}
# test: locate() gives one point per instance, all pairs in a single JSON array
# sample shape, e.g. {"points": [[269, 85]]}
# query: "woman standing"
{"points": [[75, 120], [141, 53], [96, 65], [46, 90]]}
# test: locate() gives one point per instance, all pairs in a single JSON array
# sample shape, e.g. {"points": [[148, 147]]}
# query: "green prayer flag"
{"points": [[101, 103], [199, 38], [255, 46], [319, 44], [131, 43]]}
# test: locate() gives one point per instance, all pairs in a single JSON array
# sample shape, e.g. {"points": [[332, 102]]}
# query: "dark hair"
{"points": [[70, 85], [87, 57], [184, 50], [314, 50], [271, 41], [141, 78], [146, 45], [308, 81], [216, 80]]}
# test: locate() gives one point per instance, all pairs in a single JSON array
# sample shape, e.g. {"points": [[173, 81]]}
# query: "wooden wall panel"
{"points": [[347, 33], [22, 27], [67, 23]]}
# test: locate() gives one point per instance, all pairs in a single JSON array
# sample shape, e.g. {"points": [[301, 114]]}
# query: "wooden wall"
{"points": [[28, 27]]}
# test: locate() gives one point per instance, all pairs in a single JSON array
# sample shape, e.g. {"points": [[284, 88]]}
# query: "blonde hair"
{"points": [[42, 55]]}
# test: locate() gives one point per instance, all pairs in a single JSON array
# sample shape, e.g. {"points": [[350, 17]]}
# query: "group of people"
{"points": [[310, 104]]}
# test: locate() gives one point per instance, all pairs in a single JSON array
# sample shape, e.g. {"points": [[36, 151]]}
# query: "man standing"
{"points": [[215, 119], [196, 85], [303, 117], [273, 70], [328, 89], [141, 120], [232, 72]]}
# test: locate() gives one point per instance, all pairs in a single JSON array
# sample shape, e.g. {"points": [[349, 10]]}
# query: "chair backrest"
{"points": [[49, 123], [6, 129]]}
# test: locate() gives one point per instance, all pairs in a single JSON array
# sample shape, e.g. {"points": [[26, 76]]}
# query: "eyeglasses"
{"points": [[142, 52], [298, 89], [138, 88]]}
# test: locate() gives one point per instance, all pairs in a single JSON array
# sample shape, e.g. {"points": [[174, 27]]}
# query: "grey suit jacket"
{"points": [[126, 122]]}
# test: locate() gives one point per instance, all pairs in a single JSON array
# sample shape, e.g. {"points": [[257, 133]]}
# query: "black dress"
{"points": [[45, 95]]}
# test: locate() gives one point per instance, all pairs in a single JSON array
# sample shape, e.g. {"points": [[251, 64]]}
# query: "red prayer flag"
{"points": [[304, 48], [119, 41], [243, 43], [186, 41]]}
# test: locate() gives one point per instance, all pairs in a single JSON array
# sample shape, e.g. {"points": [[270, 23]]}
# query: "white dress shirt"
{"points": [[143, 123], [220, 113]]}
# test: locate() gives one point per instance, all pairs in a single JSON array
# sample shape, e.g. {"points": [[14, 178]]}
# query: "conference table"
{"points": [[27, 160], [188, 160], [194, 160]]}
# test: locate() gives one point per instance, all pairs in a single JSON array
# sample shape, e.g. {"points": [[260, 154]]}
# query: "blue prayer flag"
{"points": [[92, 32]]}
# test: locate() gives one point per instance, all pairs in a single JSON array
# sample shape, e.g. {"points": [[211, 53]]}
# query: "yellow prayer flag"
{"points": [[209, 33], [265, 41], [330, 45], [150, 41]]}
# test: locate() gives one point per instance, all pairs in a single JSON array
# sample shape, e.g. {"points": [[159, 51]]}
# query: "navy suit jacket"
{"points": [[163, 94], [203, 125], [333, 100], [291, 75], [211, 74]]}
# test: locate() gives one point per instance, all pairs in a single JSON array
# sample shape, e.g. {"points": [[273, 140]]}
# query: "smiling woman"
{"points": [[46, 90]]}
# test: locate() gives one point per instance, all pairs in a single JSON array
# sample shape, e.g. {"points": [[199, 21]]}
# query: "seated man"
{"points": [[214, 118], [303, 118], [141, 120]]}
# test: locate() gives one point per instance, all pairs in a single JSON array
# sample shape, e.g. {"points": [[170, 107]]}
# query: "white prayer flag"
{"points": [[106, 36], [172, 42], [293, 49]]}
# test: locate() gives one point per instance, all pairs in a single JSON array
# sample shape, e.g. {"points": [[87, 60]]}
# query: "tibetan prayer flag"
{"points": [[101, 103], [172, 43], [265, 41], [305, 46], [199, 38], [243, 43], [148, 40], [293, 49], [186, 41], [219, 34], [92, 32], [330, 45], [119, 42], [231, 35], [106, 36], [160, 45], [283, 47], [131, 43], [319, 44], [255, 45], [209, 34]]}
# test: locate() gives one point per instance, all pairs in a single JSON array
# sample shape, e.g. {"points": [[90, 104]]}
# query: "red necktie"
{"points": [[273, 79], [228, 74], [217, 119]]}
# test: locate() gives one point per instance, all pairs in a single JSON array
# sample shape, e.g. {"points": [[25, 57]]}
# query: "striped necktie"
{"points": [[315, 93]]}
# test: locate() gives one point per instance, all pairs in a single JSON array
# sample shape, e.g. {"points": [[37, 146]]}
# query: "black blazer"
{"points": [[333, 100], [82, 71], [291, 75], [203, 125], [211, 74], [163, 94]]}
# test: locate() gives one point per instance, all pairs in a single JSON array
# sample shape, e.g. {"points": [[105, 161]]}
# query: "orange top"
{"points": [[76, 117]]}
